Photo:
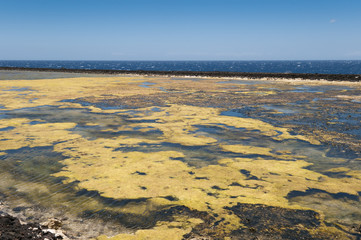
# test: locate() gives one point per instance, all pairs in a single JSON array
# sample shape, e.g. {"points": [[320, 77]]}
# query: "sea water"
{"points": [[322, 67]]}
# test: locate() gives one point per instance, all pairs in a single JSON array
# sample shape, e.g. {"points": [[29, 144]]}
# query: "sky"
{"points": [[180, 29]]}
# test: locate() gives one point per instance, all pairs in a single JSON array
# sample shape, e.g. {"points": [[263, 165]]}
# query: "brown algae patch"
{"points": [[133, 156]]}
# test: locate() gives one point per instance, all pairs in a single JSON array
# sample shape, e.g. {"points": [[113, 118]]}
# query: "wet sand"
{"points": [[174, 157]]}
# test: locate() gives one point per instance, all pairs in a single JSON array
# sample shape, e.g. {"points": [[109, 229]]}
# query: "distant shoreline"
{"points": [[251, 75]]}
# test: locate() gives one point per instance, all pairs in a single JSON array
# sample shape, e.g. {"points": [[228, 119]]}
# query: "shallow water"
{"points": [[31, 75], [182, 158]]}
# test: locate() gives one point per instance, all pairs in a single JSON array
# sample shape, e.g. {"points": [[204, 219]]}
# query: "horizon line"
{"points": [[214, 60]]}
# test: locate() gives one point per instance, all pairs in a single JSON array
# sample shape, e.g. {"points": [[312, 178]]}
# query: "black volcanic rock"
{"points": [[306, 76], [12, 229]]}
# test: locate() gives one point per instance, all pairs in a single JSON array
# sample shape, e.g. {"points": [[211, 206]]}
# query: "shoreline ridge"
{"points": [[251, 75]]}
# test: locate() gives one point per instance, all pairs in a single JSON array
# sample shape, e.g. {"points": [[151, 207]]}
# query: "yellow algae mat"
{"points": [[187, 158]]}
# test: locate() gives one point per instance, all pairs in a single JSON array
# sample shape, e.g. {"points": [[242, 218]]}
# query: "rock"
{"points": [[53, 226], [52, 223], [12, 229], [356, 229], [58, 233]]}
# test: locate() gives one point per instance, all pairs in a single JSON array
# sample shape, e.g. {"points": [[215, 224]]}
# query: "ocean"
{"points": [[321, 67]]}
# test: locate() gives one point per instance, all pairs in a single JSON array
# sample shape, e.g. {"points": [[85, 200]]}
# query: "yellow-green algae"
{"points": [[253, 150], [211, 187], [98, 164], [27, 135], [51, 91], [177, 121]]}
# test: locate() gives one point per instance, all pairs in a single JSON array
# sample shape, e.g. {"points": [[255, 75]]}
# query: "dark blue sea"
{"points": [[327, 67]]}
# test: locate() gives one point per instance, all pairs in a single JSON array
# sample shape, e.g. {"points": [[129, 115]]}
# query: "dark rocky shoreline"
{"points": [[304, 76], [12, 229]]}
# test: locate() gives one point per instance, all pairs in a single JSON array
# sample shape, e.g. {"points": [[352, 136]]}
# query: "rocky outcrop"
{"points": [[248, 75], [11, 228]]}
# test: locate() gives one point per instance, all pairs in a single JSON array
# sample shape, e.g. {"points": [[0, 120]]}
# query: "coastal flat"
{"points": [[162, 157]]}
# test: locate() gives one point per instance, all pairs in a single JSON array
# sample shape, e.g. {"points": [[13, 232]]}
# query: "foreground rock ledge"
{"points": [[12, 229]]}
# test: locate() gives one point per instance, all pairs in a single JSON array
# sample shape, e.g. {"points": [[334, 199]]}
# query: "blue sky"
{"points": [[180, 29]]}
